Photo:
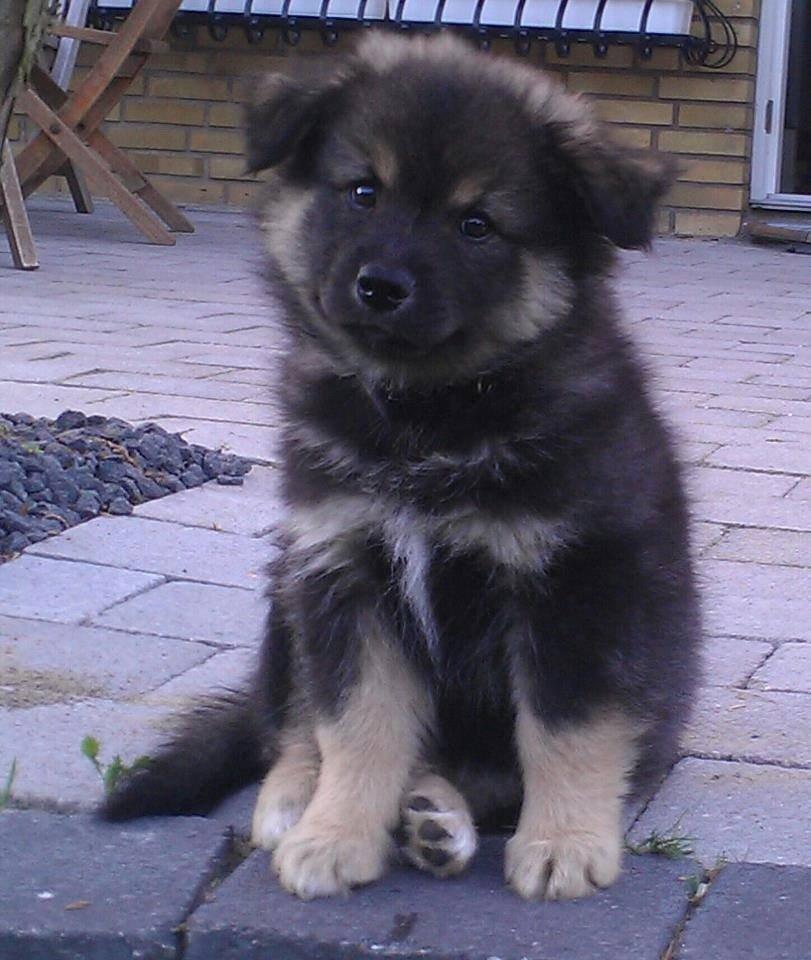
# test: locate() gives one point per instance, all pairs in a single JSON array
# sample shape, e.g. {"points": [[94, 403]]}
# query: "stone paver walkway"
{"points": [[108, 628]]}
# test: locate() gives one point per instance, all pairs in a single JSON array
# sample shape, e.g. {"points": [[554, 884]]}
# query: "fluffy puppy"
{"points": [[484, 611]]}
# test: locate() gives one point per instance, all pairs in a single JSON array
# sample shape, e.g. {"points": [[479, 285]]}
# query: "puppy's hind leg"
{"points": [[287, 788], [437, 827]]}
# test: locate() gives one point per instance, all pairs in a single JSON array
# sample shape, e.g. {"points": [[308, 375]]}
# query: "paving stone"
{"points": [[149, 406], [166, 386], [759, 617], [765, 546], [730, 578], [46, 400], [47, 589], [193, 611], [80, 889], [46, 743], [781, 514], [174, 550], [731, 661], [751, 725], [244, 439], [753, 911], [789, 668], [229, 670], [252, 510], [708, 483], [787, 456], [734, 811], [704, 535], [410, 915], [236, 811], [43, 662]]}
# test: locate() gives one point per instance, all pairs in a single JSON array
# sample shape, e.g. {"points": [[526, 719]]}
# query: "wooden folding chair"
{"points": [[69, 123]]}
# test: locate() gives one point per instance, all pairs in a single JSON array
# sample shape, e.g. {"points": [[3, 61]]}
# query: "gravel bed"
{"points": [[57, 473]]}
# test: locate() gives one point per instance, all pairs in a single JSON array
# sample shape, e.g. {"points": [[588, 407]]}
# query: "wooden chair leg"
{"points": [[15, 217], [90, 162], [82, 199]]}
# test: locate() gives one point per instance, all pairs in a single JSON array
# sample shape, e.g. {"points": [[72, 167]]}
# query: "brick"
{"points": [[789, 669], [189, 190], [150, 110], [251, 510], [243, 194], [136, 543], [765, 546], [720, 89], [406, 914], [692, 224], [192, 87], [635, 111], [75, 590], [725, 117], [736, 811], [174, 164], [624, 85], [707, 196], [228, 168], [737, 920], [82, 888], [193, 611], [42, 662], [751, 725], [146, 137], [225, 115], [715, 171], [216, 141], [717, 142]]}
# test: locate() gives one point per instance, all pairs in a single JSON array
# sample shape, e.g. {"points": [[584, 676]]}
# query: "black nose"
{"points": [[383, 288]]}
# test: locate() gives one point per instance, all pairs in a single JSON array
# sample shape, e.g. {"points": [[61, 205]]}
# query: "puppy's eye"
{"points": [[475, 226], [363, 194]]}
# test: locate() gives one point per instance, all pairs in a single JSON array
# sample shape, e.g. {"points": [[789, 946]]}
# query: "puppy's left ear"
{"points": [[285, 107], [620, 187]]}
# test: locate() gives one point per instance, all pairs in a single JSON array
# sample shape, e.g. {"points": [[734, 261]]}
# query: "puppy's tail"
{"points": [[215, 749]]}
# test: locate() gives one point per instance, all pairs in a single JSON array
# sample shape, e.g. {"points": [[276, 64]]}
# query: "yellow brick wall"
{"points": [[181, 119]]}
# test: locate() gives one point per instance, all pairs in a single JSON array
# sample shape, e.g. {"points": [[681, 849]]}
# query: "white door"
{"points": [[781, 150]]}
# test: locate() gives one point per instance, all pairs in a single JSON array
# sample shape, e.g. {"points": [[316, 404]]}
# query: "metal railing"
{"points": [[704, 34]]}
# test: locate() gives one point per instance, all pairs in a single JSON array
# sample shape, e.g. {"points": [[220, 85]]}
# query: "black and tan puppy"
{"points": [[484, 612]]}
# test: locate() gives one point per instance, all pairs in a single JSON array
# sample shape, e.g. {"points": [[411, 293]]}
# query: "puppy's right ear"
{"points": [[284, 108]]}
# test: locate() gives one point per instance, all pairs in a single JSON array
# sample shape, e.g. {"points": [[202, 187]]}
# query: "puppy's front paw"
{"points": [[562, 865], [321, 860], [437, 828]]}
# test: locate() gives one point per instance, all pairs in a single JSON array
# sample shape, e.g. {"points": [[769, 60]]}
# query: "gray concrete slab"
{"points": [[752, 911], [138, 543], [78, 889], [46, 743], [764, 727], [47, 589], [250, 510], [733, 811], [226, 616], [789, 669], [731, 661], [43, 662], [411, 915]]}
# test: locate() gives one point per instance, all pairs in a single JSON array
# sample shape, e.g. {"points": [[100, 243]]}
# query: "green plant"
{"points": [[674, 846], [5, 793], [115, 769]]}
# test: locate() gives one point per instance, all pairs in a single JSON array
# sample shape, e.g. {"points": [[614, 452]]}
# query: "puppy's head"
{"points": [[433, 209]]}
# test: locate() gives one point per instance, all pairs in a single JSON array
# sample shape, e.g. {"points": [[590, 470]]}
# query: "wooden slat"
{"points": [[91, 164], [104, 38], [15, 217]]}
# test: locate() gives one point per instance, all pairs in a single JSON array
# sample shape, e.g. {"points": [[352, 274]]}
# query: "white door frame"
{"points": [[770, 110]]}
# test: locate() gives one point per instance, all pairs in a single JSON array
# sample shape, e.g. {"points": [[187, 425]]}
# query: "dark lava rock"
{"points": [[55, 474]]}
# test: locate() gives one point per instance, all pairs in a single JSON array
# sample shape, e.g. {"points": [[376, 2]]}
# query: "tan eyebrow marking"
{"points": [[384, 163], [467, 193]]}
